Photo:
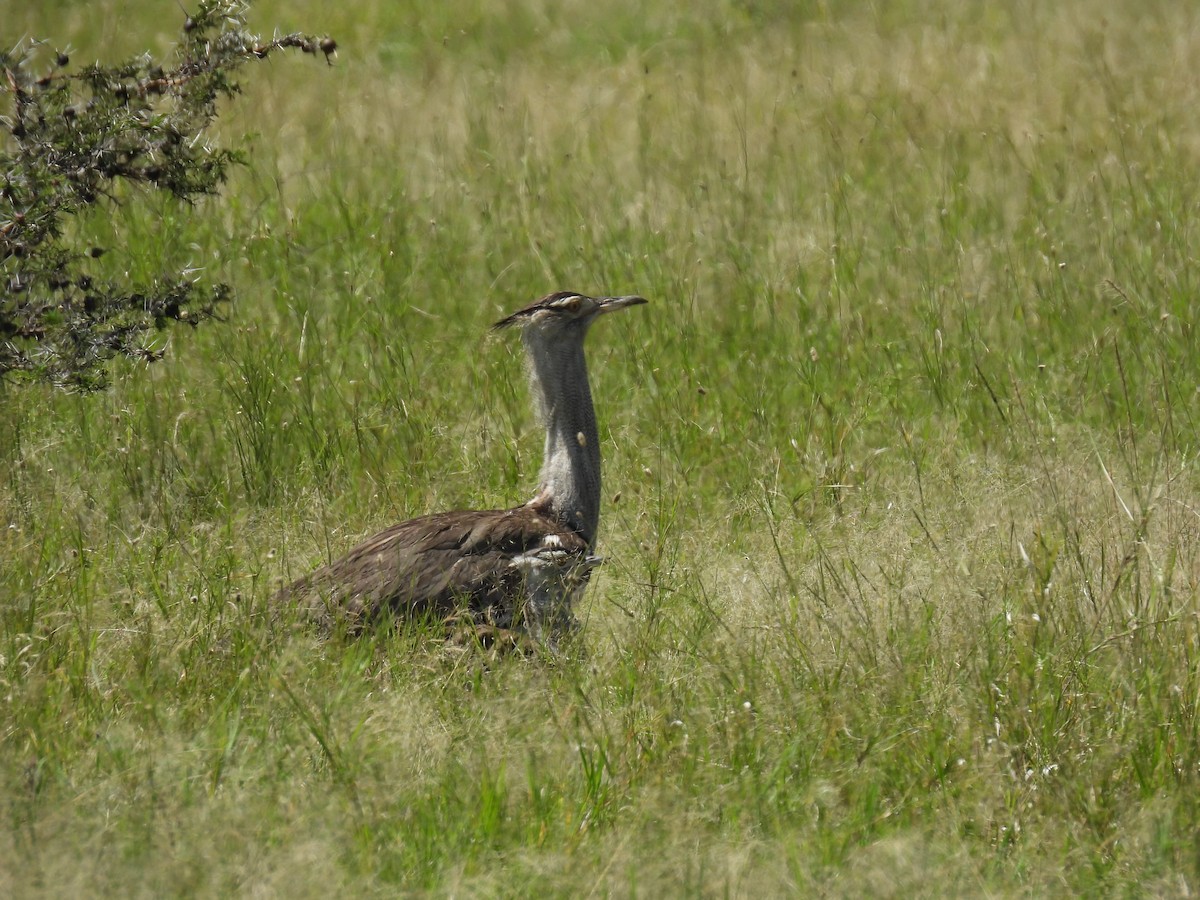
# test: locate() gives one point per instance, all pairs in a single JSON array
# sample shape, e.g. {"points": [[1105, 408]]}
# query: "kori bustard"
{"points": [[521, 568]]}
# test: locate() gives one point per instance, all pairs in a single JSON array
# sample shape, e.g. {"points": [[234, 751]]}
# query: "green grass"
{"points": [[903, 528]]}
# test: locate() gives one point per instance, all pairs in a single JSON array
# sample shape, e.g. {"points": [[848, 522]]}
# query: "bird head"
{"points": [[565, 310]]}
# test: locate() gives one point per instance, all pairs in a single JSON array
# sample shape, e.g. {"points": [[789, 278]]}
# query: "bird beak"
{"points": [[610, 304]]}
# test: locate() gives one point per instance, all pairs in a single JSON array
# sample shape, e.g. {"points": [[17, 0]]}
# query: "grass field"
{"points": [[902, 511]]}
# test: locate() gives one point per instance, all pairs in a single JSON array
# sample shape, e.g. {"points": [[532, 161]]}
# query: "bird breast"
{"points": [[554, 580]]}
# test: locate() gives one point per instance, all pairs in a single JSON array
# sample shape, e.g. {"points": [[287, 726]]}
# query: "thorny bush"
{"points": [[67, 140]]}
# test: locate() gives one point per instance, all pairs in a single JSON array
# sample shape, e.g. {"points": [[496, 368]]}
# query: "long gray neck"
{"points": [[570, 479]]}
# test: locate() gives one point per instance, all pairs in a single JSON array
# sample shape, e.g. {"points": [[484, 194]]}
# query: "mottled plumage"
{"points": [[437, 565], [521, 568]]}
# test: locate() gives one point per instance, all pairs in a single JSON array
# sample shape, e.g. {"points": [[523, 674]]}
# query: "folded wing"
{"points": [[434, 566]]}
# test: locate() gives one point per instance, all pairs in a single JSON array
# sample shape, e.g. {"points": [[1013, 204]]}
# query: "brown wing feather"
{"points": [[433, 565]]}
